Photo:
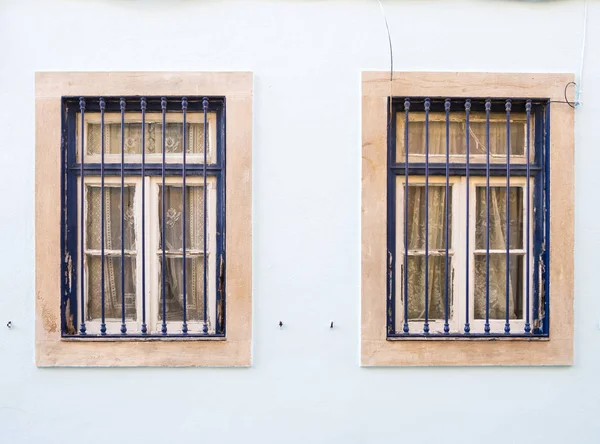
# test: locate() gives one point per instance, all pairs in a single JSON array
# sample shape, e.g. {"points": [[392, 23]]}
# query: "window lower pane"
{"points": [[437, 287], [497, 283], [112, 287], [174, 288]]}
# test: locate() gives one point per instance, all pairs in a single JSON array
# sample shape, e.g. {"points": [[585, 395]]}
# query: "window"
{"points": [[448, 279], [154, 243], [140, 173], [455, 269]]}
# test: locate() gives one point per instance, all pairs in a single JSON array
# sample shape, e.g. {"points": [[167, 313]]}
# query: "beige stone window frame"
{"points": [[376, 349], [236, 348]]}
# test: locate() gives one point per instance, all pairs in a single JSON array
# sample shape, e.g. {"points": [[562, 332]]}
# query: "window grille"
{"points": [[468, 218], [143, 217]]}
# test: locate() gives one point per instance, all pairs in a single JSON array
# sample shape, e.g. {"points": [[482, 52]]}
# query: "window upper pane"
{"points": [[457, 137], [112, 217], [153, 137], [437, 217], [497, 227], [174, 217]]}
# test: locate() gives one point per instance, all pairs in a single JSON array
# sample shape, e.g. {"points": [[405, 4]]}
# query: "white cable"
{"points": [[579, 90], [389, 40]]}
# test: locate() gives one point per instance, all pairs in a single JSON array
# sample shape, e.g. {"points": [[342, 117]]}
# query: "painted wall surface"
{"points": [[305, 385]]}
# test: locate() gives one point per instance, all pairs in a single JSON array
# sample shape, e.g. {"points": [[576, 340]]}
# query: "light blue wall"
{"points": [[305, 385]]}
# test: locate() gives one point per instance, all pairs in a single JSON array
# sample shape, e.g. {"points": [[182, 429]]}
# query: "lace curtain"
{"points": [[174, 252], [112, 245], [497, 230]]}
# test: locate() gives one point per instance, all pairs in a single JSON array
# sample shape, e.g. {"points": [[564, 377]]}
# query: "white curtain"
{"points": [[437, 211], [112, 245], [174, 252]]}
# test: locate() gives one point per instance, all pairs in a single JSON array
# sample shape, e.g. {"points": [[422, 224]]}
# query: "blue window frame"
{"points": [[131, 268], [460, 264]]}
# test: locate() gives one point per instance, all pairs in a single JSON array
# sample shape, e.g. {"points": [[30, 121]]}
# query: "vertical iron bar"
{"points": [[467, 232], [488, 107], [102, 216], [205, 108], [507, 324], [527, 219], [123, 326], [163, 330], [82, 328], [405, 277], [447, 234], [184, 328], [426, 324], [143, 106]]}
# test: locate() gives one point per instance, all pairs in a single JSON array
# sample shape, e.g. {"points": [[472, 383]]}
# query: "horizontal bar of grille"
{"points": [[467, 336], [152, 169], [439, 169]]}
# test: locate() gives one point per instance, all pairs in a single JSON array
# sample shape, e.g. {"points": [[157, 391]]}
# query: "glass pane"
{"points": [[112, 287], [174, 221], [437, 287], [133, 138], [457, 137], [174, 288], [437, 217], [112, 217], [498, 218], [497, 284]]}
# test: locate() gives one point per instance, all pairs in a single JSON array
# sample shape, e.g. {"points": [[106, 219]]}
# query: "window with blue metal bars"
{"points": [[143, 217], [468, 208]]}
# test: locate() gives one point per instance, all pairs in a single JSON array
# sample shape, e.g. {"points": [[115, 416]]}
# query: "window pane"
{"points": [[174, 288], [133, 138], [457, 138], [437, 217], [174, 221], [112, 287], [112, 217], [497, 284], [498, 218], [437, 287]]}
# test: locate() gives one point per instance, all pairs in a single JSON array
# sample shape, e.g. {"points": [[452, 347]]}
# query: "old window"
{"points": [[460, 176], [154, 242], [455, 268], [144, 187]]}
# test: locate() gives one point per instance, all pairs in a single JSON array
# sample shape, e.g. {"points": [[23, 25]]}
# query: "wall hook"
{"points": [[280, 324], [9, 324], [331, 325]]}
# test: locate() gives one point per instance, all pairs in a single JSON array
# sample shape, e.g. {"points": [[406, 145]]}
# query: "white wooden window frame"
{"points": [[457, 271], [153, 256]]}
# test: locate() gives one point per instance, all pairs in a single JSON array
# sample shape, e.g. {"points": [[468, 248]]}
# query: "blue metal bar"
{"points": [[447, 298], [163, 105], [82, 329], [507, 324], [184, 328], [527, 218], [143, 106], [488, 107], [405, 328], [123, 326], [205, 108], [468, 234], [102, 216], [426, 324]]}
